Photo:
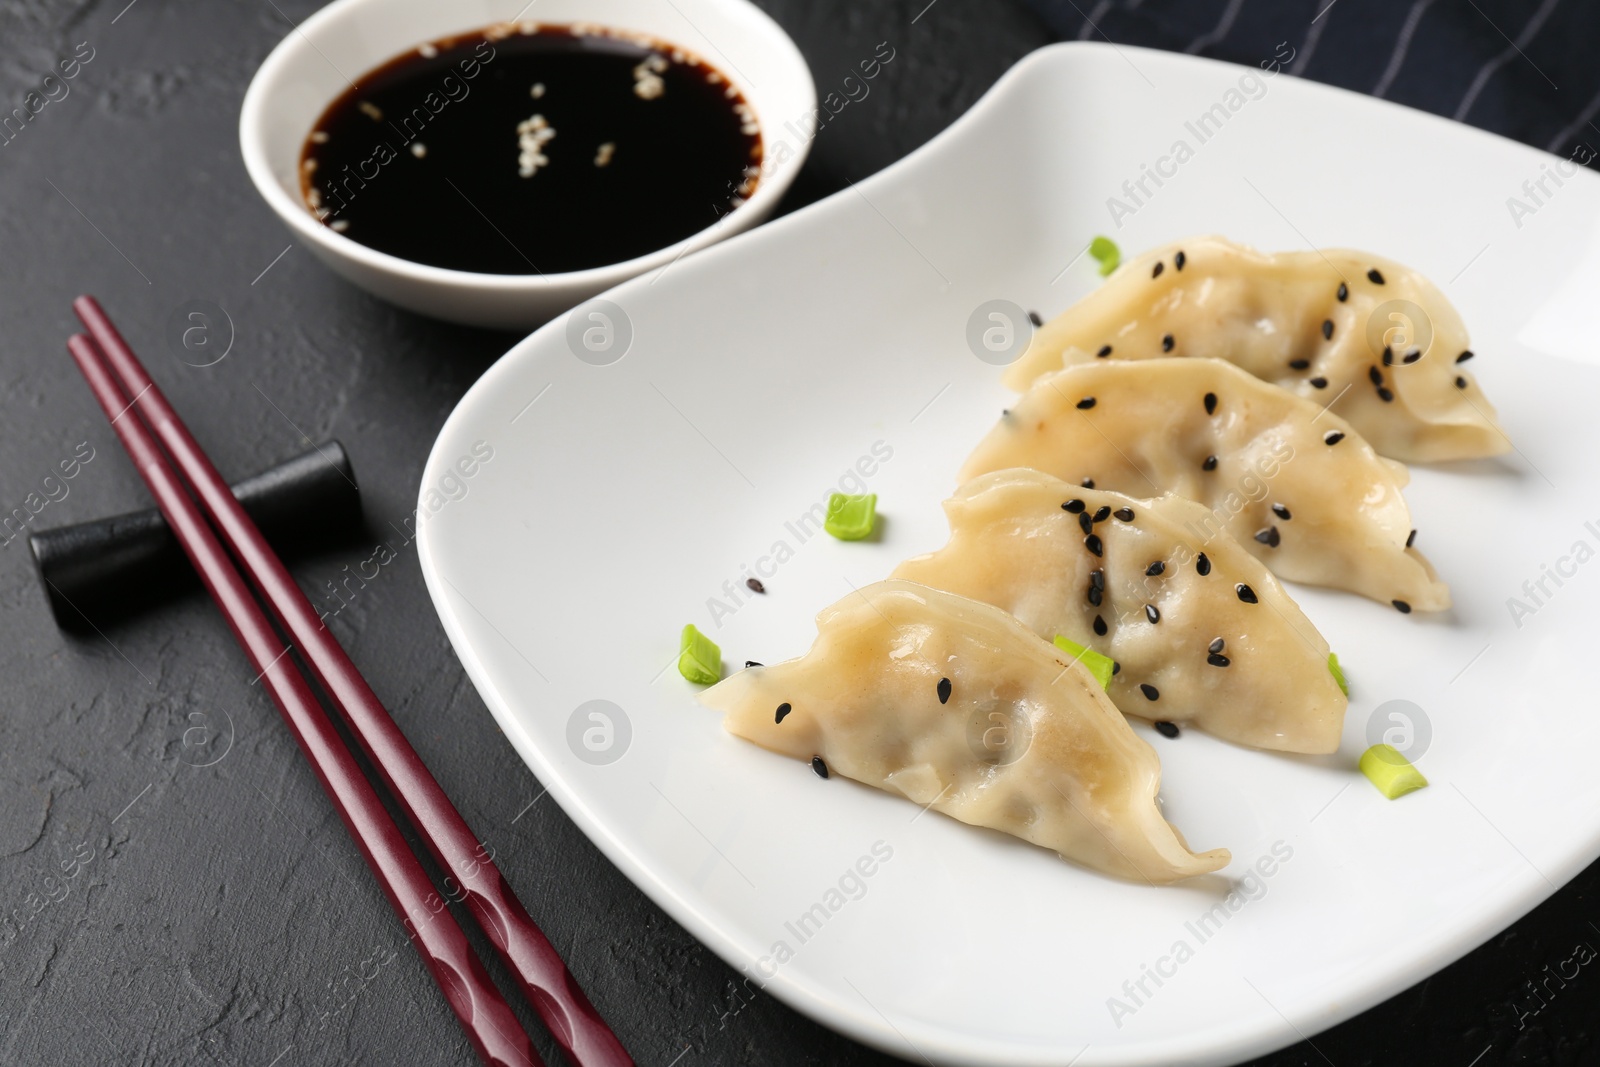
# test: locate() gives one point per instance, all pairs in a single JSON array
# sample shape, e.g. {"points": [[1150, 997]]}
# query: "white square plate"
{"points": [[623, 499]]}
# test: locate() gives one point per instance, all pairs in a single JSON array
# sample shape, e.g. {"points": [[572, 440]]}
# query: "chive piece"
{"points": [[1105, 251], [1338, 673], [850, 517], [1391, 772], [699, 658], [1100, 666]]}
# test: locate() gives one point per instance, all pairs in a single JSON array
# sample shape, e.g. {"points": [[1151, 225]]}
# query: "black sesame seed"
{"points": [[755, 585], [1281, 511], [1375, 374], [1155, 568], [1150, 692], [1300, 364], [1268, 536], [1202, 565], [1388, 356], [944, 690], [1152, 614], [818, 766], [1097, 578], [1124, 514], [1074, 506], [1099, 626], [1385, 395], [1179, 260], [783, 709], [1116, 668], [1411, 356], [1086, 403], [1246, 594], [1103, 513], [1087, 483], [1159, 268], [1095, 596], [1086, 521], [1463, 357], [1327, 329], [1332, 437], [1167, 342], [1320, 383], [1005, 413], [1374, 276], [1167, 729], [1211, 403], [1105, 350], [1210, 464], [1216, 646], [1033, 317], [1092, 543], [1461, 383], [1344, 292], [1411, 538], [752, 663], [1401, 606], [1217, 660]]}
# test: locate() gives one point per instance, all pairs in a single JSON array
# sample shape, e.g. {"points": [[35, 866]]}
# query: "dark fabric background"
{"points": [[222, 916], [1526, 70]]}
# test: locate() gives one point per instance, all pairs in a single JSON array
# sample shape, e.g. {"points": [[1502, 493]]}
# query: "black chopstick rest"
{"points": [[96, 572]]}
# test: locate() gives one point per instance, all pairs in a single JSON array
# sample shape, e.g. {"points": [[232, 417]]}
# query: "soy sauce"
{"points": [[532, 150]]}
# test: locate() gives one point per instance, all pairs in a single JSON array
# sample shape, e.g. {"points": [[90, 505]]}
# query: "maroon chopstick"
{"points": [[490, 1025], [573, 1021]]}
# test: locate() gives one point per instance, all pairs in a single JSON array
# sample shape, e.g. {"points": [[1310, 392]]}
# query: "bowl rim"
{"points": [[258, 103]]}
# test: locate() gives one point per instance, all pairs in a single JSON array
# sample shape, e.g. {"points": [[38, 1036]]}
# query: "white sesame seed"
{"points": [[319, 137], [371, 110], [427, 51], [533, 133], [603, 155], [419, 149], [647, 83], [339, 225], [537, 91]]}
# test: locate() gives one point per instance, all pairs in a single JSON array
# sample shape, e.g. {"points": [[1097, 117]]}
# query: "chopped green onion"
{"points": [[850, 517], [1338, 673], [1106, 252], [1391, 772], [699, 658], [1100, 666]]}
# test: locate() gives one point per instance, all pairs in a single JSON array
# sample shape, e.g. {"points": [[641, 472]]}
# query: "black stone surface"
{"points": [[215, 911]]}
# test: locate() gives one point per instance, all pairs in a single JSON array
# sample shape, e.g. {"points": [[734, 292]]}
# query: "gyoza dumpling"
{"points": [[957, 706], [1295, 484], [1376, 339], [1157, 599]]}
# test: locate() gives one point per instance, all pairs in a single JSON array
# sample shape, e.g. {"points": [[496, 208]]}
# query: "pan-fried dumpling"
{"points": [[1375, 340], [1293, 483], [957, 706], [1156, 599]]}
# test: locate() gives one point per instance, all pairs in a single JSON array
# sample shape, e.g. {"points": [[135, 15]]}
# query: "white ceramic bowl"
{"points": [[344, 40]]}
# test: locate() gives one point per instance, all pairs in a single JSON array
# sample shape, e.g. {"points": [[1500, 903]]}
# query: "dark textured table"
{"points": [[174, 888]]}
